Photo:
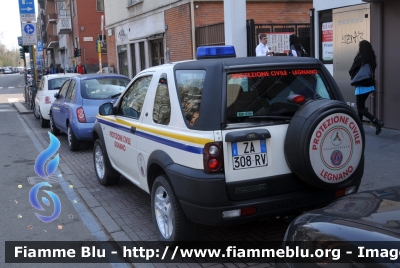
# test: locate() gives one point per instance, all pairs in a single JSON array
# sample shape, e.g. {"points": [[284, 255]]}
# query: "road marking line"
{"points": [[10, 87], [1, 87], [11, 100]]}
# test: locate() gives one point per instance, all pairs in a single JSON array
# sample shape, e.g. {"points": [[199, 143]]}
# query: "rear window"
{"points": [[56, 83], [264, 93], [103, 88]]}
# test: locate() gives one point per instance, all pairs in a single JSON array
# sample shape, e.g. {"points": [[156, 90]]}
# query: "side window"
{"points": [[63, 91], [71, 90], [133, 99], [162, 104], [190, 89]]}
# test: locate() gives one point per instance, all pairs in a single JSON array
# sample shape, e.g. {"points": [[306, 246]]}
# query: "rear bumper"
{"points": [[204, 197], [82, 131]]}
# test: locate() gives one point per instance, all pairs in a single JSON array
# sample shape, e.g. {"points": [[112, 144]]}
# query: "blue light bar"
{"points": [[212, 52]]}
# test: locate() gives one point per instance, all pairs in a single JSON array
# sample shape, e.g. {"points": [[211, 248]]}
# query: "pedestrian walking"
{"points": [[365, 56], [80, 69], [296, 49], [262, 48]]}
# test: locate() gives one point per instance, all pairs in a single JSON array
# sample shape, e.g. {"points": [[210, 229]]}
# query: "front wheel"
{"points": [[73, 142], [105, 173], [171, 222]]}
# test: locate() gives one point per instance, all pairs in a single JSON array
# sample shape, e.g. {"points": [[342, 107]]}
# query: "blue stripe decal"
{"points": [[234, 149], [263, 146], [174, 144]]}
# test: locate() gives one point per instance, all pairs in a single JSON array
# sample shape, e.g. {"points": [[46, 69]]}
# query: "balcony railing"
{"points": [[64, 25]]}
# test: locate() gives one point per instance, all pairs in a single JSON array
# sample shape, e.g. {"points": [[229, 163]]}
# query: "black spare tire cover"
{"points": [[324, 144]]}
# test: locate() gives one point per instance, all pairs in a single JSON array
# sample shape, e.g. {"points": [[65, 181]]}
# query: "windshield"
{"points": [[56, 83], [103, 88], [264, 93]]}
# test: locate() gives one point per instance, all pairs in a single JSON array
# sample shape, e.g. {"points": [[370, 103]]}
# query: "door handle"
{"points": [[133, 130]]}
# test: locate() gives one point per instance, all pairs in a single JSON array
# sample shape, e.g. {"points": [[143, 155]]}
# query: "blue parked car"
{"points": [[77, 103]]}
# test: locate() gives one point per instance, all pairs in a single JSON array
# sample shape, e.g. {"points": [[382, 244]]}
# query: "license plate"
{"points": [[249, 154]]}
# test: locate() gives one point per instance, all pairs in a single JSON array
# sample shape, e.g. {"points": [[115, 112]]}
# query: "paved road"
{"points": [[123, 210]]}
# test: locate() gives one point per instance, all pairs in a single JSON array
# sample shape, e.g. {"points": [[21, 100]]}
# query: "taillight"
{"points": [[81, 115], [213, 157], [47, 100]]}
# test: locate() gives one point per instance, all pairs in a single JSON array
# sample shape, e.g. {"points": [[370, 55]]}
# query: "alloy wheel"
{"points": [[164, 212], [99, 162]]}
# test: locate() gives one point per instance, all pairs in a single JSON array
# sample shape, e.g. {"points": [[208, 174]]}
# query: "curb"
{"points": [[21, 108]]}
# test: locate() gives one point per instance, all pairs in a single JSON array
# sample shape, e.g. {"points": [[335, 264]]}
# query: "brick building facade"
{"points": [[133, 40]]}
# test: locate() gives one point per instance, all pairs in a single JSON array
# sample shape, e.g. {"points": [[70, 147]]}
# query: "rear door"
{"points": [[258, 113]]}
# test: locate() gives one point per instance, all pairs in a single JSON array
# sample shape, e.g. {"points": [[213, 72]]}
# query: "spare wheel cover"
{"points": [[330, 141]]}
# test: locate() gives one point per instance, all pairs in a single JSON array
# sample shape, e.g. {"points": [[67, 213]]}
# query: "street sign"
{"points": [[39, 46], [27, 10], [29, 36]]}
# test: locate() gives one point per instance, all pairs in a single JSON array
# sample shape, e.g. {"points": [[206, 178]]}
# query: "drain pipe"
{"points": [[193, 28]]}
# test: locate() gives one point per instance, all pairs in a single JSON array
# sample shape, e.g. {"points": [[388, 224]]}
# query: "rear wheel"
{"points": [[53, 129], [73, 142], [35, 111], [171, 222], [43, 122], [105, 173]]}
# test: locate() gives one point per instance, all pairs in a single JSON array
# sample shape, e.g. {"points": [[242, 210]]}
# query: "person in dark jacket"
{"points": [[296, 49], [365, 55]]}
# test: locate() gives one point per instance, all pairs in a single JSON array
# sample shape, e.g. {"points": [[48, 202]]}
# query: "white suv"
{"points": [[225, 140], [49, 84]]}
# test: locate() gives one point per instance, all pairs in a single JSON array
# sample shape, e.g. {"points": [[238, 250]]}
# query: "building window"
{"points": [[142, 56], [132, 2], [73, 7], [326, 37], [157, 52], [100, 5]]}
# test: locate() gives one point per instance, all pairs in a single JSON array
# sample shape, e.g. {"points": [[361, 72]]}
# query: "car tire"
{"points": [[73, 143], [43, 122], [53, 129], [324, 144], [105, 173], [171, 222], [35, 111]]}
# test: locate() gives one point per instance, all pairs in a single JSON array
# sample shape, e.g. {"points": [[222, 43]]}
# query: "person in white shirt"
{"points": [[262, 48]]}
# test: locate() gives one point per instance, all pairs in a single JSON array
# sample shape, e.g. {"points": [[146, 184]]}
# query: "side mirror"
{"points": [[56, 95], [106, 109]]}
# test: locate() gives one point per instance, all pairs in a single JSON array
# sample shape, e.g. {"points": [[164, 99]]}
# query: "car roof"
{"points": [[96, 75], [60, 75]]}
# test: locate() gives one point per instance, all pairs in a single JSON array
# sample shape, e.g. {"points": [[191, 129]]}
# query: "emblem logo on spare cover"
{"points": [[337, 137], [336, 158]]}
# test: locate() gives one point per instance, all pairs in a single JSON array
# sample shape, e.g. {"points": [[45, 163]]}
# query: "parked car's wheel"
{"points": [[53, 129], [35, 111], [105, 173], [43, 122], [73, 143], [171, 223], [324, 144]]}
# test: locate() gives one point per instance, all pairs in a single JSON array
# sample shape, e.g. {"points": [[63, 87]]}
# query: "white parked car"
{"points": [[7, 71], [49, 84]]}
